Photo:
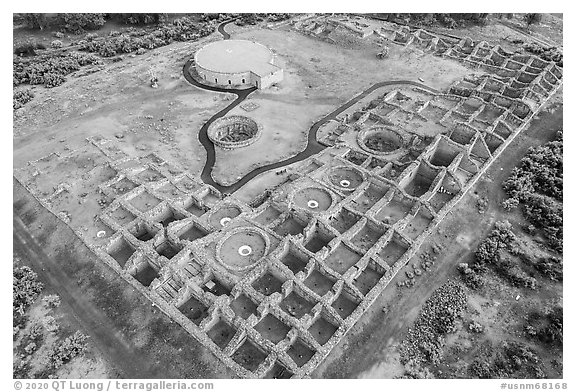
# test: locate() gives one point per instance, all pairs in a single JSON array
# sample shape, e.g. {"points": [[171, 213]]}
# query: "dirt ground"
{"points": [[370, 349], [118, 103]]}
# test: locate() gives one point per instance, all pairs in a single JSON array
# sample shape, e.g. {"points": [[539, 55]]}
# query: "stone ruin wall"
{"points": [[150, 197]]}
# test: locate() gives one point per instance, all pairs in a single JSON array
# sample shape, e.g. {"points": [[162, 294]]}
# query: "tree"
{"points": [[26, 287], [68, 349], [77, 23], [141, 19], [510, 204], [554, 333], [21, 97], [36, 21], [532, 19], [537, 183]]}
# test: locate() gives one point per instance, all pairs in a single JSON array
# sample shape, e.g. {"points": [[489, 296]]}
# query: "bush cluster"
{"points": [[552, 267], [77, 23], [25, 289], [470, 277], [549, 54], [35, 21], [51, 300], [182, 29], [21, 97], [68, 349], [532, 19], [437, 318], [252, 19], [28, 48], [475, 327], [450, 21], [490, 254], [511, 360], [140, 19], [515, 274], [49, 69], [537, 184], [415, 370], [554, 332]]}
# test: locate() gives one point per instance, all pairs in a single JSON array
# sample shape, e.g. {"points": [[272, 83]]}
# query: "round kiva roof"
{"points": [[234, 56]]}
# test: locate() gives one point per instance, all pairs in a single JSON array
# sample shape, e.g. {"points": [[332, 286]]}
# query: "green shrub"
{"points": [[21, 97], [516, 275], [537, 183], [425, 340], [53, 79], [554, 332], [77, 23], [552, 267], [480, 368], [545, 53], [50, 68], [510, 204], [25, 289], [532, 19], [36, 21], [140, 19], [68, 349], [56, 44]]}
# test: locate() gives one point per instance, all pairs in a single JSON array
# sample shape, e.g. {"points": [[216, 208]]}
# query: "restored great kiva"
{"points": [[237, 63]]}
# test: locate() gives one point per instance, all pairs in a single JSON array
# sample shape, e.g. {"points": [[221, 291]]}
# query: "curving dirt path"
{"points": [[312, 147]]}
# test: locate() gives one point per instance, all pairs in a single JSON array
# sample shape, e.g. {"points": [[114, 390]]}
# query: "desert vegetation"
{"points": [[506, 262], [424, 343], [48, 69], [536, 185], [35, 65], [545, 53], [496, 251], [41, 346], [452, 20]]}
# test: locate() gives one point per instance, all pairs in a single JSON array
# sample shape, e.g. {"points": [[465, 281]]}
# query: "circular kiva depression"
{"points": [[234, 132], [242, 247], [312, 199], [345, 178], [223, 216], [380, 140]]}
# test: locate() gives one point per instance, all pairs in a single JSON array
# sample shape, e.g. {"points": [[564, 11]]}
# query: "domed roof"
{"points": [[235, 56]]}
